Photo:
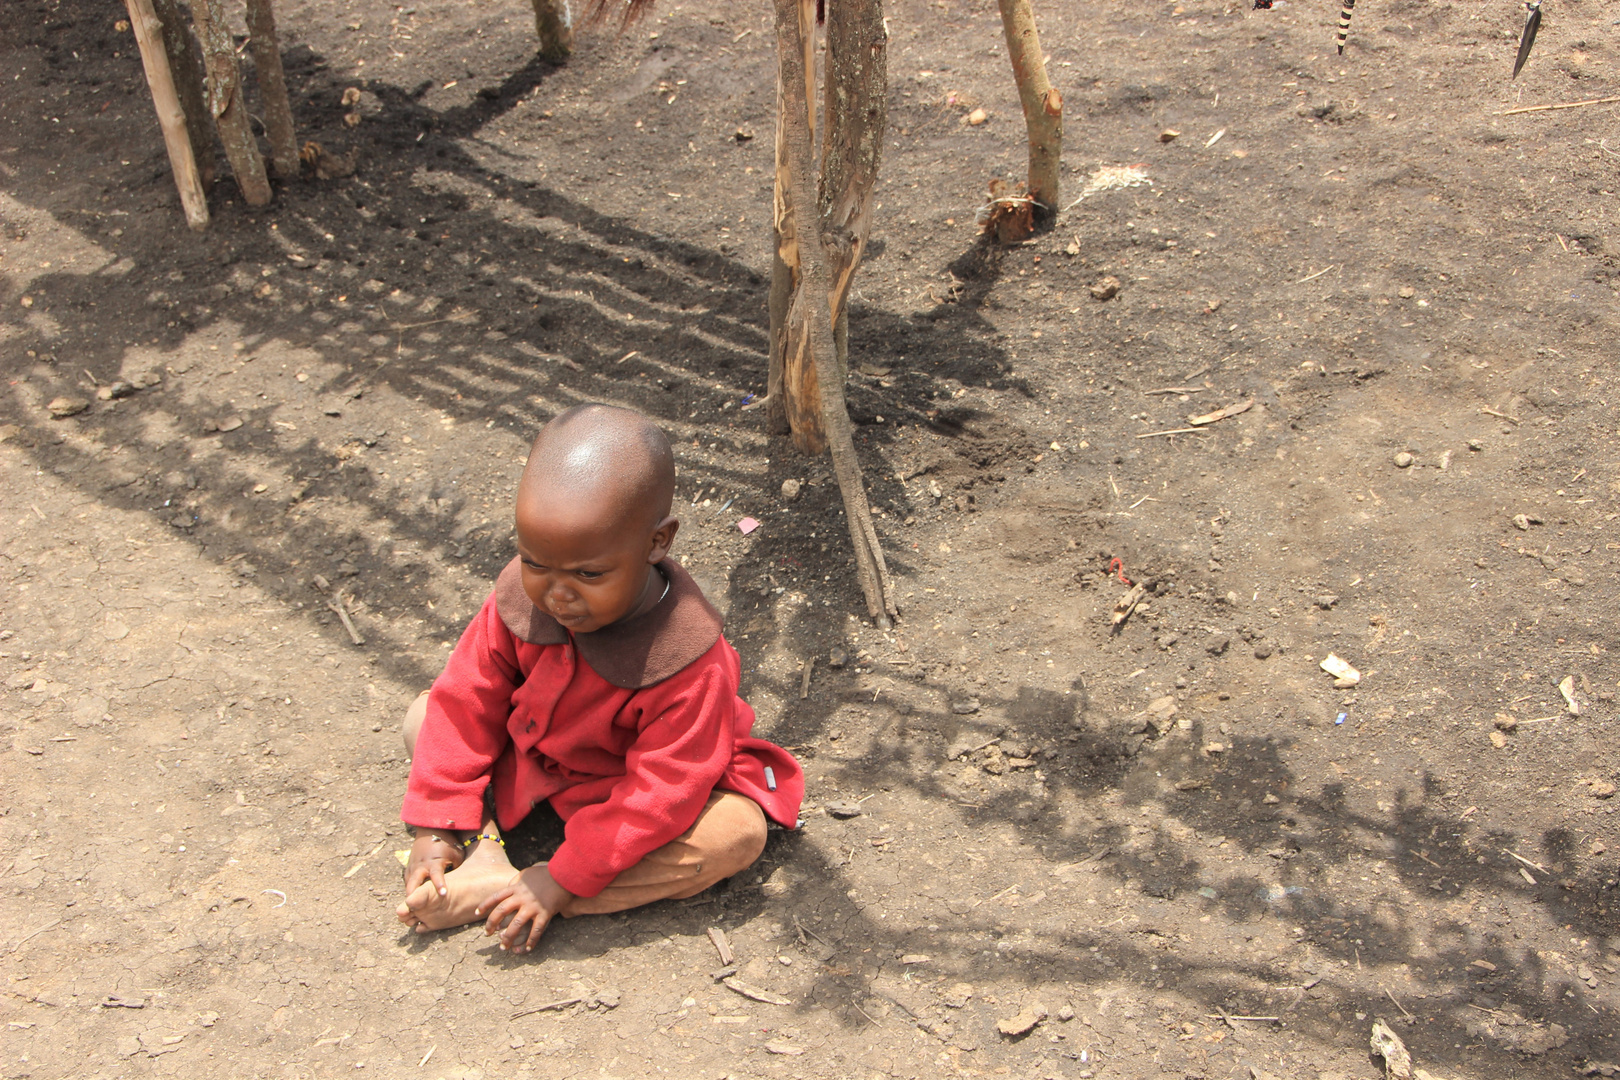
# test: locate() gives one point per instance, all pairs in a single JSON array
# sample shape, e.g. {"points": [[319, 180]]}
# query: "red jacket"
{"points": [[626, 730]]}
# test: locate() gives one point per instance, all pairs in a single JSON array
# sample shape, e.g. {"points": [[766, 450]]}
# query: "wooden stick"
{"points": [[225, 101], [343, 615], [1500, 415], [278, 120], [561, 1003], [1561, 105], [186, 68], [171, 117], [721, 945], [804, 684], [1170, 431], [1313, 277]]}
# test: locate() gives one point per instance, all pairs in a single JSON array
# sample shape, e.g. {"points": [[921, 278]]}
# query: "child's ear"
{"points": [[662, 537]]}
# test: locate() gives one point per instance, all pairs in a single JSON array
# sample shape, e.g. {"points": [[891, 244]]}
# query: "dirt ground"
{"points": [[1143, 835]]}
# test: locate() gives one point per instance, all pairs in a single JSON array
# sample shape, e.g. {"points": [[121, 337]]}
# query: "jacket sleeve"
{"points": [[465, 729], [683, 746]]}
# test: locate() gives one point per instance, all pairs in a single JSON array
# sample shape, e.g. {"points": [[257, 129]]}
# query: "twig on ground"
{"points": [[1501, 416], [1398, 1005], [721, 945], [1171, 431], [35, 933], [336, 605], [1560, 105], [1313, 277], [804, 683], [560, 1003]]}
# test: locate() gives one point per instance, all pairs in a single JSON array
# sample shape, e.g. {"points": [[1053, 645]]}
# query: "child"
{"points": [[594, 676]]}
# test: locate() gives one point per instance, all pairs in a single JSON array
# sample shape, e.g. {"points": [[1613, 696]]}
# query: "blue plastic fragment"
{"points": [[1340, 720]]}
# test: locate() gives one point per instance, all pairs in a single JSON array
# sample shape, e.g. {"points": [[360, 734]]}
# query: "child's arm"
{"points": [[464, 730]]}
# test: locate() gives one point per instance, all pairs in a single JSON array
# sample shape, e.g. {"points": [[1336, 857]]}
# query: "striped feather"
{"points": [[1344, 23]]}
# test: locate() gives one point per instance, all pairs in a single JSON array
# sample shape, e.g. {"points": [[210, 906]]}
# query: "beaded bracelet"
{"points": [[471, 840]]}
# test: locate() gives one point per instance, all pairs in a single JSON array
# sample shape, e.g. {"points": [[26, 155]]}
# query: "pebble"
{"points": [[977, 117], [837, 656], [114, 390], [1218, 644], [1066, 1013], [1105, 288], [1602, 789], [965, 707], [791, 489], [1403, 460], [1475, 445], [63, 407], [1262, 651]]}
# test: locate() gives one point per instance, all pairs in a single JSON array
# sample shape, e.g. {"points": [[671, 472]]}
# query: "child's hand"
{"points": [[432, 856], [532, 898]]}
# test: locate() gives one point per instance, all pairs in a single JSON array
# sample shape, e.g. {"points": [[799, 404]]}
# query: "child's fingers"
{"points": [[536, 928], [525, 914], [436, 875], [499, 906]]}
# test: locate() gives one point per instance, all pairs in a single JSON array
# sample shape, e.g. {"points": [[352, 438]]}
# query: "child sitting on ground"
{"points": [[594, 676]]}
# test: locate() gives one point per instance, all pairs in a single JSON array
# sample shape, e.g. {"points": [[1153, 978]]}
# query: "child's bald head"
{"points": [[593, 516], [610, 460]]}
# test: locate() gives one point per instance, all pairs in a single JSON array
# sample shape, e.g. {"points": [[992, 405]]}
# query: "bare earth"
{"points": [[201, 771]]}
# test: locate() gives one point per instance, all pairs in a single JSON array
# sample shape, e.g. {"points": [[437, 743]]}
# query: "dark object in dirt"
{"points": [[113, 391], [1164, 890], [844, 809], [965, 707], [1263, 651], [1105, 288], [328, 166], [1218, 644], [1527, 39], [837, 656], [1262, 5]]}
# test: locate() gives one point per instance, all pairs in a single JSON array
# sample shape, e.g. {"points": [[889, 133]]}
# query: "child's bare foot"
{"points": [[484, 872]]}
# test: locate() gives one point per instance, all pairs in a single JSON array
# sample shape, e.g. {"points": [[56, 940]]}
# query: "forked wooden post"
{"points": [[171, 117], [1042, 104], [226, 104], [809, 314], [278, 121]]}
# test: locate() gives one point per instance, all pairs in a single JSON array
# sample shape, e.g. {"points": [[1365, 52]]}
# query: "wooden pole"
{"points": [[1042, 104], [185, 67], [278, 119], [555, 25], [171, 116], [225, 101], [793, 400], [811, 309]]}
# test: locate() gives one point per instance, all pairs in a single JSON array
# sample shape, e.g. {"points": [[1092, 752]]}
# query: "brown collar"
{"points": [[633, 654]]}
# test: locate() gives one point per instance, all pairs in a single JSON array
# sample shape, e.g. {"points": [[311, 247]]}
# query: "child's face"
{"points": [[587, 572]]}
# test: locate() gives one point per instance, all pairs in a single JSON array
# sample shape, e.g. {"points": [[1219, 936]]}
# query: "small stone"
{"points": [[1602, 789], [1263, 651], [1066, 1013], [965, 707], [1214, 748], [1024, 1022], [837, 656], [1105, 288], [1505, 722], [1498, 739], [145, 380], [230, 423], [977, 117], [1270, 799], [842, 810], [791, 489], [1403, 460], [958, 995], [1407, 292], [1218, 644], [1475, 445], [63, 407], [1169, 135], [1326, 601]]}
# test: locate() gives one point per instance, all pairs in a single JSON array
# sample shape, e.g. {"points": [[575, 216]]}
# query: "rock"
{"points": [[1326, 601], [957, 996], [1270, 800], [965, 706], [1263, 651], [1403, 460], [1602, 789], [1407, 292], [791, 489], [1504, 722], [1498, 739], [1218, 644], [63, 407], [1066, 1013], [1024, 1022], [1105, 288], [1475, 445], [977, 117], [839, 809], [145, 380], [1521, 522], [837, 656]]}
